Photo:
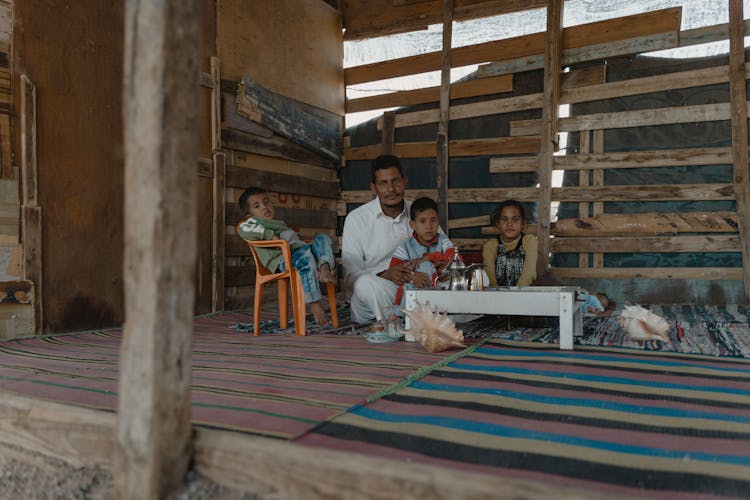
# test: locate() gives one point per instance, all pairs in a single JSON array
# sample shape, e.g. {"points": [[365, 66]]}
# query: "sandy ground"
{"points": [[24, 475]]}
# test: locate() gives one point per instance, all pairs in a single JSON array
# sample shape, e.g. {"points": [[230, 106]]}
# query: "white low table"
{"points": [[557, 301]]}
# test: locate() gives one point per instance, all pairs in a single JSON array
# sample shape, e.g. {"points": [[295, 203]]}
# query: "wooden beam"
{"points": [[215, 104], [466, 147], [294, 217], [388, 134], [217, 224], [738, 101], [161, 103], [514, 164], [584, 180], [647, 224], [28, 142], [629, 244], [601, 32], [443, 144], [459, 90], [658, 273], [652, 192], [242, 177], [549, 140], [640, 159], [277, 147], [31, 238], [597, 179]]}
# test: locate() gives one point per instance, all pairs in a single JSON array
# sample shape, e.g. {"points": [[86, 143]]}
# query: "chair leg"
{"points": [[256, 307], [283, 302], [332, 304], [298, 303]]}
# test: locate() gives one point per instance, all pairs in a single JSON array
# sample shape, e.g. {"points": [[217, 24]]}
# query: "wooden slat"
{"points": [[294, 217], [281, 166], [31, 234], [234, 246], [601, 32], [215, 103], [629, 244], [154, 431], [514, 164], [549, 140], [239, 275], [233, 119], [738, 100], [443, 144], [466, 147], [647, 117], [602, 51], [480, 220], [363, 196], [388, 134], [663, 273], [707, 34], [597, 179], [369, 18], [459, 90], [584, 179], [28, 142], [276, 147], [640, 159], [6, 164], [313, 128], [218, 257], [647, 224], [242, 177], [665, 192]]}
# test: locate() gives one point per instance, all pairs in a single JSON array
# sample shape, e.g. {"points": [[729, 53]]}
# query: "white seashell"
{"points": [[641, 324], [436, 332]]}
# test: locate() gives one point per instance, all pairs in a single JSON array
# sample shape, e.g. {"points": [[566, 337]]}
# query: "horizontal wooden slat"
{"points": [[369, 18], [271, 146], [363, 196], [645, 192], [239, 276], [617, 48], [646, 117], [480, 220], [514, 164], [234, 246], [666, 273], [459, 90], [467, 147], [294, 217], [629, 244], [647, 224], [601, 32], [640, 159], [241, 177]]}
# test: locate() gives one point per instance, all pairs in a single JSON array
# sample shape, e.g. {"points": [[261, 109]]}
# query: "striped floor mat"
{"points": [[276, 385], [628, 423]]}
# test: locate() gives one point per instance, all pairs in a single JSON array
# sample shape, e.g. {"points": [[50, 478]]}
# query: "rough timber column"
{"points": [[160, 110], [552, 55], [738, 100], [443, 158]]}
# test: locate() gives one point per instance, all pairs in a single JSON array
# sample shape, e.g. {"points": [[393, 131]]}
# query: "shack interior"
{"points": [[651, 209]]}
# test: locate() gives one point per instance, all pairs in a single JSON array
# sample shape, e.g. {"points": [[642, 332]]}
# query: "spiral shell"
{"points": [[642, 324], [436, 332]]}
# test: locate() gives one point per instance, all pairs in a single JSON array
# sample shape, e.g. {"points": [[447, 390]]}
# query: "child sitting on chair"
{"points": [[314, 262], [428, 250]]}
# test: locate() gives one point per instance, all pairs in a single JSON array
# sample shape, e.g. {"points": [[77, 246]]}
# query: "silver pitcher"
{"points": [[463, 277]]}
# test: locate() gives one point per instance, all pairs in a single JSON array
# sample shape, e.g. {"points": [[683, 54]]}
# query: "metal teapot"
{"points": [[463, 277]]}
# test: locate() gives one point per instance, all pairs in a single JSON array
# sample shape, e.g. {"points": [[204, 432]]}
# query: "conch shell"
{"points": [[642, 324], [436, 332]]}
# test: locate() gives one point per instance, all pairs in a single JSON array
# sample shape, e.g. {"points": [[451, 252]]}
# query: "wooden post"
{"points": [[31, 212], [443, 155], [738, 100], [598, 180], [550, 106], [219, 225], [215, 104], [161, 79], [388, 133], [583, 181]]}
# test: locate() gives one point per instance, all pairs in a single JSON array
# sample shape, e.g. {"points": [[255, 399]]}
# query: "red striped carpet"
{"points": [[636, 423], [275, 384]]}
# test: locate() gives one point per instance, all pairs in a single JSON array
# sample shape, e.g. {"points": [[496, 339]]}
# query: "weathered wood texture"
{"points": [[368, 18], [80, 170], [292, 47], [317, 130], [602, 32], [160, 108]]}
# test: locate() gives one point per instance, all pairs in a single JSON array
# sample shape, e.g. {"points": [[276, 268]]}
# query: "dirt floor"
{"points": [[25, 475]]}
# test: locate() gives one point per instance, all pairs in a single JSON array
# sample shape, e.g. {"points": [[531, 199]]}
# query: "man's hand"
{"points": [[398, 274], [420, 280]]}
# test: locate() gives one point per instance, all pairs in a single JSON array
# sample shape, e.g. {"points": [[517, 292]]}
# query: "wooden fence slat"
{"points": [[665, 273], [647, 224], [465, 147], [640, 159], [242, 177], [629, 244]]}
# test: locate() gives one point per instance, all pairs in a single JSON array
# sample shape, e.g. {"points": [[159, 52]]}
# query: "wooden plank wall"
{"points": [[584, 50], [296, 58], [6, 24]]}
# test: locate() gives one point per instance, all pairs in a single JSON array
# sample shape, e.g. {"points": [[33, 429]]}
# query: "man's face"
{"points": [[389, 186]]}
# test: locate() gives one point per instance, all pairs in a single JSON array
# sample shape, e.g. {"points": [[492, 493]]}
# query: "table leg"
{"points": [[567, 307]]}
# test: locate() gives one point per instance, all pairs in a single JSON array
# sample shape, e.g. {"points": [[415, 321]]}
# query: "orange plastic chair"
{"points": [[286, 279]]}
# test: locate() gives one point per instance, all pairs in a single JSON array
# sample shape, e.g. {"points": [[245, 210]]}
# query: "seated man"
{"points": [[371, 234]]}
